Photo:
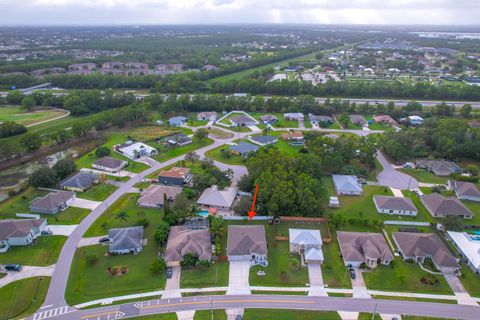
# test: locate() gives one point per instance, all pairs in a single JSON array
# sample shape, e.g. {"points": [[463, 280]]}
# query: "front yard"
{"points": [[214, 276], [424, 176], [44, 252], [404, 276], [334, 272], [470, 281]]}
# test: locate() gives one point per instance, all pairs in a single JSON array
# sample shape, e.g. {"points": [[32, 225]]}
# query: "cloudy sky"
{"points": [[33, 12]]}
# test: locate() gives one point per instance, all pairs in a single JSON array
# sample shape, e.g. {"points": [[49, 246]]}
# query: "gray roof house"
{"points": [[125, 240], [207, 115], [464, 190], [318, 120], [182, 240], [53, 202], [154, 195], [269, 119], [20, 232], [364, 247], [418, 246], [347, 185], [243, 148], [178, 139], [109, 164], [247, 243], [306, 242], [358, 119], [242, 121], [263, 140], [440, 206], [81, 181], [293, 116], [395, 205], [439, 167], [214, 198], [177, 121]]}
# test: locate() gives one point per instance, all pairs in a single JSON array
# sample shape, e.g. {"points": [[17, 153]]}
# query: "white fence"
{"points": [[407, 223]]}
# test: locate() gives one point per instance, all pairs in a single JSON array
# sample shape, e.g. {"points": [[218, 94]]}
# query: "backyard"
{"points": [[214, 276], [43, 252]]}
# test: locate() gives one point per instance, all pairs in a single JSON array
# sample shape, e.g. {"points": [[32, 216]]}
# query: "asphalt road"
{"points": [[157, 306], [390, 177]]}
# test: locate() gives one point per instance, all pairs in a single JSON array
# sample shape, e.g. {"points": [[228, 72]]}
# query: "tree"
{"points": [[80, 128], [344, 120], [294, 264], [161, 232], [64, 168], [189, 260], [473, 169], [28, 103], [466, 110], [401, 277], [201, 134], [101, 152], [11, 128], [266, 130], [15, 97], [44, 178], [31, 141], [453, 223], [144, 222], [242, 207], [158, 266], [203, 264], [122, 216], [217, 227]]}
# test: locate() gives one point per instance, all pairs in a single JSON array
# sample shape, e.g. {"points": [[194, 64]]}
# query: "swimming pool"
{"points": [[476, 232], [203, 213]]}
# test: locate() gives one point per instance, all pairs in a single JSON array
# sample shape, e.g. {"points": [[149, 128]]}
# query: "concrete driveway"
{"points": [[390, 177], [85, 204], [89, 241], [172, 285], [358, 285], [27, 272], [238, 277], [315, 277], [62, 230]]}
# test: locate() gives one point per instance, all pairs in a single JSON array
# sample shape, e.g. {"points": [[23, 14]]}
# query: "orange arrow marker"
{"points": [[252, 213]]}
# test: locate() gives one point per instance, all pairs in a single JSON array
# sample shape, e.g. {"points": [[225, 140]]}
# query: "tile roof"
{"points": [[175, 172], [153, 196], [52, 200], [465, 188], [218, 198], [440, 205], [245, 240], [125, 238], [394, 203], [356, 246], [182, 241], [18, 227], [109, 162]]}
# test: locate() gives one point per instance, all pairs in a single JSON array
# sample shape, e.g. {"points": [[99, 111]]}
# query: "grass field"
{"points": [[276, 314], [20, 204], [471, 281], [215, 276], [217, 155], [218, 314], [424, 176], [43, 253], [22, 298], [219, 133], [28, 118], [167, 153], [282, 123], [98, 192]]}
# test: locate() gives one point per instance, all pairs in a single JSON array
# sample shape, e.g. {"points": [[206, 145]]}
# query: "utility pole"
{"points": [[374, 311], [211, 307]]}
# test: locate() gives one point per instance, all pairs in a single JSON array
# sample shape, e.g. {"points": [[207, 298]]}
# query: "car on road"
{"points": [[169, 272], [352, 273], [13, 267], [103, 240]]}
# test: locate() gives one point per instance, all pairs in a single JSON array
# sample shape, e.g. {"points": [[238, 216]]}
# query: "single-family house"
{"points": [[210, 67], [112, 65], [154, 195], [464, 190], [263, 140], [269, 119], [385, 119], [176, 176], [82, 66], [215, 198], [20, 232], [247, 243], [170, 67], [415, 120], [183, 240], [364, 247], [80, 181], [307, 243], [440, 206], [319, 120], [125, 240], [178, 139], [242, 121], [109, 164], [358, 119], [136, 150], [207, 116], [293, 116], [439, 167], [53, 202], [347, 185], [136, 65], [243, 148], [395, 205], [419, 246], [469, 247], [177, 121]]}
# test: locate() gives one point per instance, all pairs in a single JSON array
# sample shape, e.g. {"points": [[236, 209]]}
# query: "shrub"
{"points": [[143, 222], [102, 152], [91, 259], [157, 266]]}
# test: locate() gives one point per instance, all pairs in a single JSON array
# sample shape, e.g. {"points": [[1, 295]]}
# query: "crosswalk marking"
{"points": [[47, 314]]}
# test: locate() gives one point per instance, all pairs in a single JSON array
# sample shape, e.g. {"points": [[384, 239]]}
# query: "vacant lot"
{"points": [[98, 192], [28, 118], [166, 153], [44, 252], [22, 298]]}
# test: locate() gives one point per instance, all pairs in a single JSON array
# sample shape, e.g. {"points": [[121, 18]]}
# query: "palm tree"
{"points": [[266, 130], [217, 229], [193, 209], [122, 216]]}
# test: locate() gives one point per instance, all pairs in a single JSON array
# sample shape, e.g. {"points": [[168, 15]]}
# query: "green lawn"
{"points": [[283, 227], [334, 273], [193, 122], [378, 126], [282, 123], [20, 204], [98, 192], [475, 208], [424, 176], [215, 276], [218, 314], [44, 252], [164, 316], [167, 153], [219, 133], [277, 314], [471, 281], [278, 272], [387, 278], [128, 204], [217, 155], [27, 117], [91, 282], [22, 298]]}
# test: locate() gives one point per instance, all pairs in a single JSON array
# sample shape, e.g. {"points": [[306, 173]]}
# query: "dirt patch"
{"points": [[117, 270]]}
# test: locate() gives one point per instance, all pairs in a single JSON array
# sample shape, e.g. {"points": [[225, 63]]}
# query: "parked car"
{"points": [[46, 232], [352, 273], [103, 240], [13, 267], [169, 272]]}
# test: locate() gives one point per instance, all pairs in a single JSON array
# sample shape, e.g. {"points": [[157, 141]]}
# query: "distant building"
{"points": [[221, 199], [269, 119], [263, 140], [293, 136], [53, 202], [82, 66], [207, 116], [136, 150], [293, 116], [154, 195], [125, 240], [415, 120], [178, 139], [319, 120], [112, 65], [177, 121], [210, 67], [358, 119], [439, 167], [136, 65], [347, 185], [109, 164], [385, 119], [170, 68], [80, 181], [242, 121]]}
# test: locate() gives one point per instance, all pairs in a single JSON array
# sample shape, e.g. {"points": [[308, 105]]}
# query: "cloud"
{"points": [[239, 11]]}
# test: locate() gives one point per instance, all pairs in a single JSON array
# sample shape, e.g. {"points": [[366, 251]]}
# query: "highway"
{"points": [[157, 306]]}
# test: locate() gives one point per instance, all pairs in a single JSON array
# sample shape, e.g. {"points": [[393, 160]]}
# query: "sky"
{"points": [[122, 12]]}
